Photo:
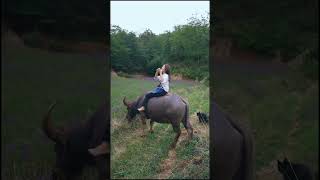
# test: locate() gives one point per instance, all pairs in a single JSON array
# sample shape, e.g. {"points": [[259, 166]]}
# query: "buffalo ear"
{"points": [[103, 148]]}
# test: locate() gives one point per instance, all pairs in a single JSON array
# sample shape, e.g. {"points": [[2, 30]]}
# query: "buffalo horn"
{"points": [[55, 134], [125, 101]]}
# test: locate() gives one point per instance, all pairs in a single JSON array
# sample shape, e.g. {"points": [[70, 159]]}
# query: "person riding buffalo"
{"points": [[163, 76]]}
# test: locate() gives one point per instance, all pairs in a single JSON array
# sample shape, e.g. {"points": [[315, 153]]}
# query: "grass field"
{"points": [[133, 156], [31, 80], [282, 109]]}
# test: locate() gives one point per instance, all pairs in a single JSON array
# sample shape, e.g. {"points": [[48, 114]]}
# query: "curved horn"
{"points": [[125, 101], [55, 134]]}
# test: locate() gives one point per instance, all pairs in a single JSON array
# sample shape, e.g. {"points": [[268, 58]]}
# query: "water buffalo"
{"points": [[294, 171], [72, 144], [170, 108], [233, 148]]}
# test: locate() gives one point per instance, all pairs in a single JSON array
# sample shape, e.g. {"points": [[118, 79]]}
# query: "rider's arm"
{"points": [[157, 71], [156, 77], [161, 77]]}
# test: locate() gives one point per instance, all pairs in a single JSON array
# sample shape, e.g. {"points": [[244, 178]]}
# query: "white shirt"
{"points": [[164, 82]]}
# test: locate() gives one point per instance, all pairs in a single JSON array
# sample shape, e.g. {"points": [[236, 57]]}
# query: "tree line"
{"points": [[267, 27], [186, 49]]}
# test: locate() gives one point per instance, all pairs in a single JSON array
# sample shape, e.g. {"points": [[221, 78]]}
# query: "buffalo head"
{"points": [[72, 144], [131, 109]]}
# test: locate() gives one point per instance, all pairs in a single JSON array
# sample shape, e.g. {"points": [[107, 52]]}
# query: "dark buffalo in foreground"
{"points": [[233, 148], [72, 144], [293, 171], [170, 108]]}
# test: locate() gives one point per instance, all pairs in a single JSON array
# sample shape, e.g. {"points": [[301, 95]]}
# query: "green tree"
{"points": [[186, 49]]}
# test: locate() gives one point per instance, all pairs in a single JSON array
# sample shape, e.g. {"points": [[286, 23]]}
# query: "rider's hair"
{"points": [[167, 70]]}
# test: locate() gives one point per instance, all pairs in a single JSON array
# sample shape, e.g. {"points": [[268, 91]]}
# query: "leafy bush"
{"points": [[192, 72], [153, 65]]}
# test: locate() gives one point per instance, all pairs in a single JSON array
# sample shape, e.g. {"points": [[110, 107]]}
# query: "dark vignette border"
{"points": [[106, 26], [211, 87]]}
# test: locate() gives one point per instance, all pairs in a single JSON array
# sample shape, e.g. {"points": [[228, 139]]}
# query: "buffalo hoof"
{"points": [[172, 146], [143, 135], [190, 134], [150, 131]]}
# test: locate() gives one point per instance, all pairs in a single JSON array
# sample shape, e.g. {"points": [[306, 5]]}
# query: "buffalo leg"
{"points": [[144, 124], [151, 124], [188, 127], [176, 129], [102, 163]]}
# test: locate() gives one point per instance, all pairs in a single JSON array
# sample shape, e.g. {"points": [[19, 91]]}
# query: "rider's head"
{"points": [[166, 68]]}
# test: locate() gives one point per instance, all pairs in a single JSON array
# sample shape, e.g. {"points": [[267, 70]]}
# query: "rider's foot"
{"points": [[141, 109]]}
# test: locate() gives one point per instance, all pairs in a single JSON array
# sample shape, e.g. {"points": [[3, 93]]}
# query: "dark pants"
{"points": [[158, 91]]}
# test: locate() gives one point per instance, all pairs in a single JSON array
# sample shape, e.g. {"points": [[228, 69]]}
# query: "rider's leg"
{"points": [[155, 93]]}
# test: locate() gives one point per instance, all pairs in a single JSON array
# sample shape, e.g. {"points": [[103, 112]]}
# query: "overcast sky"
{"points": [[159, 16]]}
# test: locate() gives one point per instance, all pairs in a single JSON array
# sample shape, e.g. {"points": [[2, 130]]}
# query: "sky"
{"points": [[158, 16]]}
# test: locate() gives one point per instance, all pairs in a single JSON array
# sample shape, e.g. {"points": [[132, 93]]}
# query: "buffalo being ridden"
{"points": [[170, 108], [161, 106], [72, 145]]}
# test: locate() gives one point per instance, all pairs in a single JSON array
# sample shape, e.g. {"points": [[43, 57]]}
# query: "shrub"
{"points": [[153, 65], [192, 72]]}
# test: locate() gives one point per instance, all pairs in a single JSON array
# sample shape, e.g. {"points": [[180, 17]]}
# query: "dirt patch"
{"points": [[183, 164], [167, 165], [171, 163], [141, 76], [176, 77]]}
